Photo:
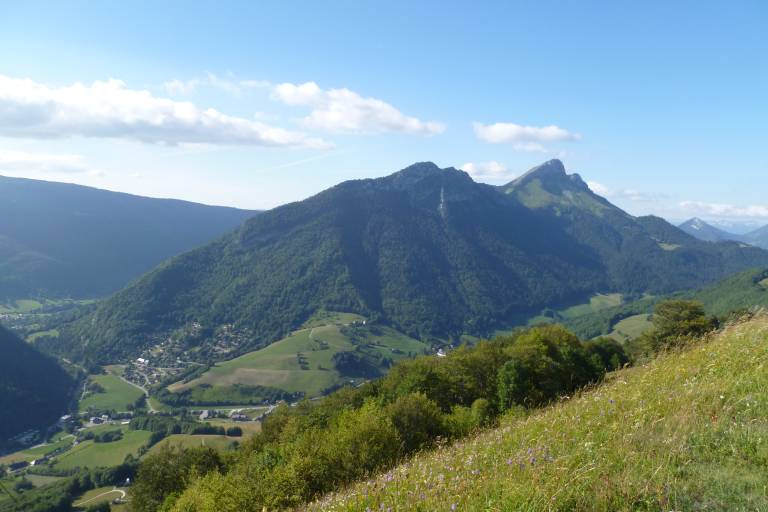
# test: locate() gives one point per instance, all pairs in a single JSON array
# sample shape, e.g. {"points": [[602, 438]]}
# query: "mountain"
{"points": [[34, 389], [707, 232], [425, 250], [758, 237], [62, 240]]}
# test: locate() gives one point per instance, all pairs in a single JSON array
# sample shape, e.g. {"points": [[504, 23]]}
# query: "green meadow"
{"points": [[90, 454], [117, 394]]}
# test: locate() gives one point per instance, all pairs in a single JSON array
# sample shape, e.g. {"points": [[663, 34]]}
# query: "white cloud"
{"points": [[599, 188], [628, 194], [230, 85], [488, 171], [109, 109], [522, 138], [21, 161], [725, 210], [343, 110]]}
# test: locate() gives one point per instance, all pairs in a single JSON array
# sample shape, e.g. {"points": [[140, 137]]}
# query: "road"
{"points": [[143, 389], [122, 497]]}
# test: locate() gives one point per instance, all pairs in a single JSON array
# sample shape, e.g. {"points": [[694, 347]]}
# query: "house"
{"points": [[239, 417], [205, 415], [38, 462], [441, 353], [96, 420]]}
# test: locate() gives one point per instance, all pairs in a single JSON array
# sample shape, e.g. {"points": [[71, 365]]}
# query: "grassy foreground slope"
{"points": [[689, 431]]}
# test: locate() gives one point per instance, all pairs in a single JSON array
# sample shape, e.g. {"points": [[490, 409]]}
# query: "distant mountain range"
{"points": [[34, 389], [709, 233], [425, 250], [60, 240]]}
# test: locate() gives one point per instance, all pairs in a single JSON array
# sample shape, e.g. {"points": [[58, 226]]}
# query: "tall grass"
{"points": [[688, 431]]}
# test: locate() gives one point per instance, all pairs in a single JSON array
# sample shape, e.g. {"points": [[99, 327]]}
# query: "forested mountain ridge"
{"points": [[425, 249], [34, 389], [60, 240]]}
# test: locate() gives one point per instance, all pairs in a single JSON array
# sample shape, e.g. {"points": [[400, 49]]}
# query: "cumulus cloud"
{"points": [[725, 210], [522, 138], [109, 109], [343, 110], [488, 171], [230, 85]]}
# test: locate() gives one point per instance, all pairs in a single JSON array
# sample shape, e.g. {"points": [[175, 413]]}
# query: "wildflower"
{"points": [[509, 462], [454, 506]]}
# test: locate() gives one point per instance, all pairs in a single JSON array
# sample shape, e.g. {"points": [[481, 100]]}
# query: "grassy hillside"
{"points": [[307, 361], [686, 432]]}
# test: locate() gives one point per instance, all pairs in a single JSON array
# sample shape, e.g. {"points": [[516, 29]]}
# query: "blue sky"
{"points": [[662, 106]]}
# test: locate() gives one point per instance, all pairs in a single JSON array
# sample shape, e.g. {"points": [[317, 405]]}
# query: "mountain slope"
{"points": [[707, 232], [426, 249], [681, 433], [758, 237], [34, 389], [61, 240]]}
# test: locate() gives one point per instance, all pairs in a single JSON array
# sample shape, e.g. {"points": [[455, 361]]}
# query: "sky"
{"points": [[660, 106]]}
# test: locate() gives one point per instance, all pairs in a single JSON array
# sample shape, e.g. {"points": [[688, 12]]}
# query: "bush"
{"points": [[234, 432], [675, 322], [417, 419]]}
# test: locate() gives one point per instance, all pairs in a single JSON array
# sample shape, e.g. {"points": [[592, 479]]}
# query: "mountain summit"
{"points": [[426, 250]]}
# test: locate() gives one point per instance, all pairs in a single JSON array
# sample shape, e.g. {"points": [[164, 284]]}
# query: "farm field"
{"points": [[117, 393], [90, 454], [190, 441], [20, 306], [249, 428], [631, 327], [303, 361], [101, 495], [36, 452]]}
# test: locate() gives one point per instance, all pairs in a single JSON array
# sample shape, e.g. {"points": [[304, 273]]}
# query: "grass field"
{"points": [[118, 394], [41, 480], [688, 431], [597, 303], [20, 306], [90, 454], [249, 428], [100, 495], [190, 441], [631, 327], [278, 365], [31, 454]]}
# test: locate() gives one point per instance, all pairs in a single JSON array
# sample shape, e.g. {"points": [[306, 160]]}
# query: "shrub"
{"points": [[417, 419]]}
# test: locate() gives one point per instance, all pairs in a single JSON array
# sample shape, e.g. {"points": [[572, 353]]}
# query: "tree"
{"points": [[417, 419], [606, 353], [678, 321], [170, 471]]}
